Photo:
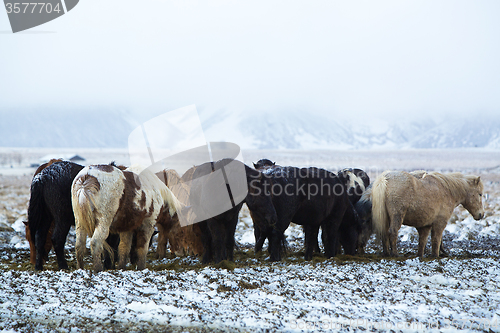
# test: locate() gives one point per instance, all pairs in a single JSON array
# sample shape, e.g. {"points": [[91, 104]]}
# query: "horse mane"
{"points": [[169, 177], [367, 195], [174, 204], [455, 182], [121, 167]]}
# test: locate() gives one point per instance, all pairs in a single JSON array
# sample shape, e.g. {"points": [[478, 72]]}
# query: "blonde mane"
{"points": [[455, 182], [168, 197]]}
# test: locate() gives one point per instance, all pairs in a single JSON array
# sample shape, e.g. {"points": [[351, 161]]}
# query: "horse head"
{"points": [[355, 181], [258, 199], [474, 197], [264, 164]]}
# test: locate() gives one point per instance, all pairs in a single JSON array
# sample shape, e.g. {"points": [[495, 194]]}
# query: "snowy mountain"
{"points": [[64, 128], [300, 130], [251, 130]]}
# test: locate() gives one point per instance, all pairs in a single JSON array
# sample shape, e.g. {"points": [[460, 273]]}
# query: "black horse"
{"points": [[353, 225], [50, 204], [228, 181], [310, 197], [355, 181], [363, 208]]}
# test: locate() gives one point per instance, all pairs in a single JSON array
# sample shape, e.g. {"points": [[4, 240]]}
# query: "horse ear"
{"points": [[274, 163], [477, 180], [254, 165], [25, 223]]}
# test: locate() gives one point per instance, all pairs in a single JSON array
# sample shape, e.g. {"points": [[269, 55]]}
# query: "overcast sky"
{"points": [[339, 57]]}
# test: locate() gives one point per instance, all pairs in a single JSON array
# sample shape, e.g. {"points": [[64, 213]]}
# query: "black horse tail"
{"points": [[37, 211]]}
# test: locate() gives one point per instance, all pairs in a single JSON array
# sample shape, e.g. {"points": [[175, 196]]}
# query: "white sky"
{"points": [[339, 57]]}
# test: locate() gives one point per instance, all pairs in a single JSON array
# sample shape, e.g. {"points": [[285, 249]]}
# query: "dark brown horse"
{"points": [[48, 240], [232, 180], [50, 205]]}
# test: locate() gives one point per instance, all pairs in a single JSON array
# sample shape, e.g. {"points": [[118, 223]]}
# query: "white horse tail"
{"points": [[83, 192], [380, 217]]}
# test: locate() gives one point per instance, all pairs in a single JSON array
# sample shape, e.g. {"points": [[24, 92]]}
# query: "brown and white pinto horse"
{"points": [[108, 200]]}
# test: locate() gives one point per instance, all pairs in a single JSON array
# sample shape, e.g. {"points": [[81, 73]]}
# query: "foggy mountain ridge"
{"points": [[280, 130]]}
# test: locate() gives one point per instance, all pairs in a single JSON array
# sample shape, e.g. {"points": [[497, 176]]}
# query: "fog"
{"points": [[355, 58]]}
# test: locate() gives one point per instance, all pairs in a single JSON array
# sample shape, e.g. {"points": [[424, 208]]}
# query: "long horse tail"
{"points": [[380, 217], [83, 195], [37, 211]]}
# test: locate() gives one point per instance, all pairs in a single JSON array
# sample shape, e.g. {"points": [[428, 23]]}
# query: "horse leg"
{"points": [[443, 252], [315, 243], [124, 248], [260, 238], [310, 240], [348, 238], [395, 225], [385, 244], [113, 240], [331, 239], [423, 235], [144, 234], [275, 240], [61, 230], [218, 232], [40, 240], [97, 246], [161, 248], [206, 239], [48, 241], [230, 230], [437, 236], [80, 246]]}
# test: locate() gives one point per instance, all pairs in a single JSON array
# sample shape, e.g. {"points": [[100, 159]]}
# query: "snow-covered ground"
{"points": [[345, 293]]}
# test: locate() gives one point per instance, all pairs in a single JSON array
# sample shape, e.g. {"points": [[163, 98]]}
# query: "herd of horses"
{"points": [[119, 208]]}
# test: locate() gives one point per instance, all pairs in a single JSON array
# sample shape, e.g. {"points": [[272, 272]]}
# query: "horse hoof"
{"points": [[63, 265]]}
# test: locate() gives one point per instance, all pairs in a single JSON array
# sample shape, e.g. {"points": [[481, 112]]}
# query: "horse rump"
{"points": [[83, 192]]}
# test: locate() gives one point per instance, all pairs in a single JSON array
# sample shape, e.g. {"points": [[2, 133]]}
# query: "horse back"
{"points": [[419, 198], [50, 195]]}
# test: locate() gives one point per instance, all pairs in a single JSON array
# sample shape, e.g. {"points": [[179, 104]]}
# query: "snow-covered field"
{"points": [[345, 293]]}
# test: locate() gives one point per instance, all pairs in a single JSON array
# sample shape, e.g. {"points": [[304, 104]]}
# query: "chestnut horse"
{"points": [[183, 240], [108, 200], [424, 201]]}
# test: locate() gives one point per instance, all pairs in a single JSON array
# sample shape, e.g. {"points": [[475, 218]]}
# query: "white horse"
{"points": [[424, 201], [107, 200]]}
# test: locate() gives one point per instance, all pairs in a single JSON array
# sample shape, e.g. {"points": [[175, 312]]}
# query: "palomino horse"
{"points": [[183, 240], [424, 201], [108, 200]]}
